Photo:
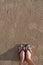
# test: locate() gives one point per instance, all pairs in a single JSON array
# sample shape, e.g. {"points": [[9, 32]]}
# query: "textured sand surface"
{"points": [[21, 21]]}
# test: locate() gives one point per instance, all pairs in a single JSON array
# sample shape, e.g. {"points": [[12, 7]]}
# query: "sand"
{"points": [[21, 21]]}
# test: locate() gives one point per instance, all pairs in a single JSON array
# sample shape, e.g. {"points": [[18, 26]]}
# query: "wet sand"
{"points": [[21, 21]]}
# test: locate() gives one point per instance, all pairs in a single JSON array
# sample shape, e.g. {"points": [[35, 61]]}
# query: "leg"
{"points": [[29, 59], [28, 55], [22, 58], [22, 54]]}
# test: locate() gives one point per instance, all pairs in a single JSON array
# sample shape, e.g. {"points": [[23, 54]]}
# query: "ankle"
{"points": [[29, 60], [21, 63]]}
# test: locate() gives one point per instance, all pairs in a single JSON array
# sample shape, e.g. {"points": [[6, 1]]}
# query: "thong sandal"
{"points": [[21, 47], [28, 47]]}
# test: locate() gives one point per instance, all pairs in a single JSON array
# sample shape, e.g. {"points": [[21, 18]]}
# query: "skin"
{"points": [[28, 58], [22, 57]]}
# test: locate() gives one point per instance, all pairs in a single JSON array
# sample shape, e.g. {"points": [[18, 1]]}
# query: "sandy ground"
{"points": [[21, 21]]}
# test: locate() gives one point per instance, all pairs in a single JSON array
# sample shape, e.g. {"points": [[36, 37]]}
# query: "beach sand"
{"points": [[21, 21]]}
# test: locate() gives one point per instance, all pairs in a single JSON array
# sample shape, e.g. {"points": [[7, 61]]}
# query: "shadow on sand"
{"points": [[11, 54]]}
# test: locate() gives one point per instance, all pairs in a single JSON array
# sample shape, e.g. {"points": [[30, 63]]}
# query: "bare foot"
{"points": [[28, 53], [22, 54]]}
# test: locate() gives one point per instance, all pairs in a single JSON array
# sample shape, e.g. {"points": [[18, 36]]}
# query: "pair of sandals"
{"points": [[25, 47]]}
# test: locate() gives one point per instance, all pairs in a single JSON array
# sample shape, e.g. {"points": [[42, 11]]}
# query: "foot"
{"points": [[22, 53], [28, 52]]}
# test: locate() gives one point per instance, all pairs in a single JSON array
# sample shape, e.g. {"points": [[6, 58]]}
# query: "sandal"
{"points": [[28, 47], [21, 47]]}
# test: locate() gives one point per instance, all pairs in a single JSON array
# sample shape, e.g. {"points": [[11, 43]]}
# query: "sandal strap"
{"points": [[29, 46], [29, 50], [23, 48]]}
